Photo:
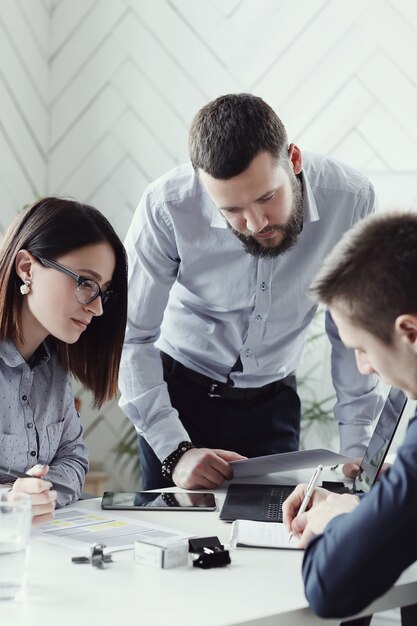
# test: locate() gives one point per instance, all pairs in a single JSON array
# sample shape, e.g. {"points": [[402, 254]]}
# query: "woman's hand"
{"points": [[43, 497]]}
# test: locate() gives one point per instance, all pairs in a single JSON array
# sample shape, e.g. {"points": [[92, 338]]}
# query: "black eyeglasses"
{"points": [[87, 289]]}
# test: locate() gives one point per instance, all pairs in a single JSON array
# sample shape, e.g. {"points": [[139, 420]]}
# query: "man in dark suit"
{"points": [[356, 548]]}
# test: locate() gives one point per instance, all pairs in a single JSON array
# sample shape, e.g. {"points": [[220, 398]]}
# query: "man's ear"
{"points": [[296, 158], [406, 327], [23, 264]]}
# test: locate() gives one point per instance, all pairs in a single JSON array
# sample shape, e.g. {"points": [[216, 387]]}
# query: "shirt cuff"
{"points": [[354, 439], [165, 436]]}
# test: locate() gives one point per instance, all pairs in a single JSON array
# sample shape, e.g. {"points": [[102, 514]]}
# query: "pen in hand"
{"points": [[309, 492], [8, 471]]}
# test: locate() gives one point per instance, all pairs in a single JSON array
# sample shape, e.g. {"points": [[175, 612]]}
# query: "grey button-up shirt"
{"points": [[38, 420], [198, 296]]}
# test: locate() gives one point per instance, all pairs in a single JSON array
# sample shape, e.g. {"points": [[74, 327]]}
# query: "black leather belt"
{"points": [[216, 389]]}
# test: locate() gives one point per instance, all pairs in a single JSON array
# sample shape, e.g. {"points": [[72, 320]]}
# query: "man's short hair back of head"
{"points": [[229, 132], [371, 274]]}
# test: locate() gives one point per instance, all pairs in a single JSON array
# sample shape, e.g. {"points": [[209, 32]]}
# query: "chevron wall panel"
{"points": [[127, 76], [97, 96], [24, 103]]}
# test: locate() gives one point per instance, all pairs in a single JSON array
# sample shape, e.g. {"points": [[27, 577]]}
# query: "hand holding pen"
{"points": [[309, 492], [12, 473], [41, 491]]}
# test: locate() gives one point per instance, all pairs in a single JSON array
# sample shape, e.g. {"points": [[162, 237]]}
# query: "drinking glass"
{"points": [[15, 523]]}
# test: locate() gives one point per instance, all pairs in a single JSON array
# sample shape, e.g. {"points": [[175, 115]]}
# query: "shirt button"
{"points": [[30, 425], [248, 351], [258, 318], [33, 453], [263, 286], [24, 398]]}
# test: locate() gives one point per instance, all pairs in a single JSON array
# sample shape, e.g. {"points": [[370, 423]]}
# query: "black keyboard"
{"points": [[277, 499], [261, 503]]}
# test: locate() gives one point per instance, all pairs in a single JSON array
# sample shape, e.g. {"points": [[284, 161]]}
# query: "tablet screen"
{"points": [[158, 500]]}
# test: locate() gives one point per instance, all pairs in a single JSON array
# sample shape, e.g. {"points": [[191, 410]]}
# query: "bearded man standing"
{"points": [[222, 251]]}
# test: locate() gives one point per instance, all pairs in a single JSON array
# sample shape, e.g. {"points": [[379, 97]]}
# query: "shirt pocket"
{"points": [[53, 440], [13, 452]]}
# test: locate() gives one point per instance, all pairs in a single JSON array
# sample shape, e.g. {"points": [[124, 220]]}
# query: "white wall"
{"points": [[24, 103], [97, 97], [127, 76]]}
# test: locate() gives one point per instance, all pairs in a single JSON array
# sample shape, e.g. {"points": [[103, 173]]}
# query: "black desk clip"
{"points": [[211, 557], [208, 552], [97, 558]]}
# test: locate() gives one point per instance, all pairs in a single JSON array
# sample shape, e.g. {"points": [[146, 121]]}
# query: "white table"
{"points": [[259, 588]]}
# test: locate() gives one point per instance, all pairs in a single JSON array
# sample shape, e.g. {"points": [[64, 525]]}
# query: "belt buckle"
{"points": [[212, 391]]}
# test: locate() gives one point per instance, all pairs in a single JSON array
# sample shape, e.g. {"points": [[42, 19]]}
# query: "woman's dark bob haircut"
{"points": [[51, 228]]}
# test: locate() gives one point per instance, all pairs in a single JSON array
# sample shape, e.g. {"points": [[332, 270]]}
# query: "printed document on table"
{"points": [[287, 461], [75, 528]]}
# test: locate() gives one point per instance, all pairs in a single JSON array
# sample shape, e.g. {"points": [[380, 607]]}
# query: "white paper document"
{"points": [[262, 535], [79, 529], [288, 461]]}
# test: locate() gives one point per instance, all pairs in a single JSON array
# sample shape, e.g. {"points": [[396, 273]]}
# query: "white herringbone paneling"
{"points": [[133, 74], [93, 88], [24, 98], [97, 95], [66, 18]]}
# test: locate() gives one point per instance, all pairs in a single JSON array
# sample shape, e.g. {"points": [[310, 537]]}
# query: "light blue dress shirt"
{"points": [[198, 296], [38, 420]]}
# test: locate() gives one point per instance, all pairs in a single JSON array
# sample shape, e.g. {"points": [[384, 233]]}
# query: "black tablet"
{"points": [[158, 501]]}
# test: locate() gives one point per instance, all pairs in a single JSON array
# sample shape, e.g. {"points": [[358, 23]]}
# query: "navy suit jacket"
{"points": [[361, 554]]}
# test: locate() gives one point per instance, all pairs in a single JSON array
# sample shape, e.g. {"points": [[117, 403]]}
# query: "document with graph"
{"points": [[76, 528]]}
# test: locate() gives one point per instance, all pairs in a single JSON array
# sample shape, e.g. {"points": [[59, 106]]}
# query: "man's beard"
{"points": [[289, 231]]}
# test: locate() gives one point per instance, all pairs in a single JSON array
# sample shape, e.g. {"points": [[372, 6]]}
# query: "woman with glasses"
{"points": [[63, 299]]}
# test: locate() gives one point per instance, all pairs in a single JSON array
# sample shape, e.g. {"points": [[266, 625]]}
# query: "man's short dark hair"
{"points": [[229, 132], [371, 275]]}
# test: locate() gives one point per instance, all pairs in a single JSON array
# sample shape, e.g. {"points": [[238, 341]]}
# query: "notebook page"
{"points": [[262, 535]]}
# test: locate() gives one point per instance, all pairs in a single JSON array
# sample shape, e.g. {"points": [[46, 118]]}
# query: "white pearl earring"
{"points": [[25, 288]]}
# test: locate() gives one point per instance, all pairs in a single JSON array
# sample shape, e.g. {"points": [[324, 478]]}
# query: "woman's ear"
{"points": [[406, 327], [23, 264]]}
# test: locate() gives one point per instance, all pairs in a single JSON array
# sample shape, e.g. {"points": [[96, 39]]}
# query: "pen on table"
{"points": [[8, 471], [309, 492]]}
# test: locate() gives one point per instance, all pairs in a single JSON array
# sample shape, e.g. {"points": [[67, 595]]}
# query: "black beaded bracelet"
{"points": [[169, 499], [172, 459]]}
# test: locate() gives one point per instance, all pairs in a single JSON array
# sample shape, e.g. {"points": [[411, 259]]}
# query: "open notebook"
{"points": [[261, 535], [264, 502]]}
